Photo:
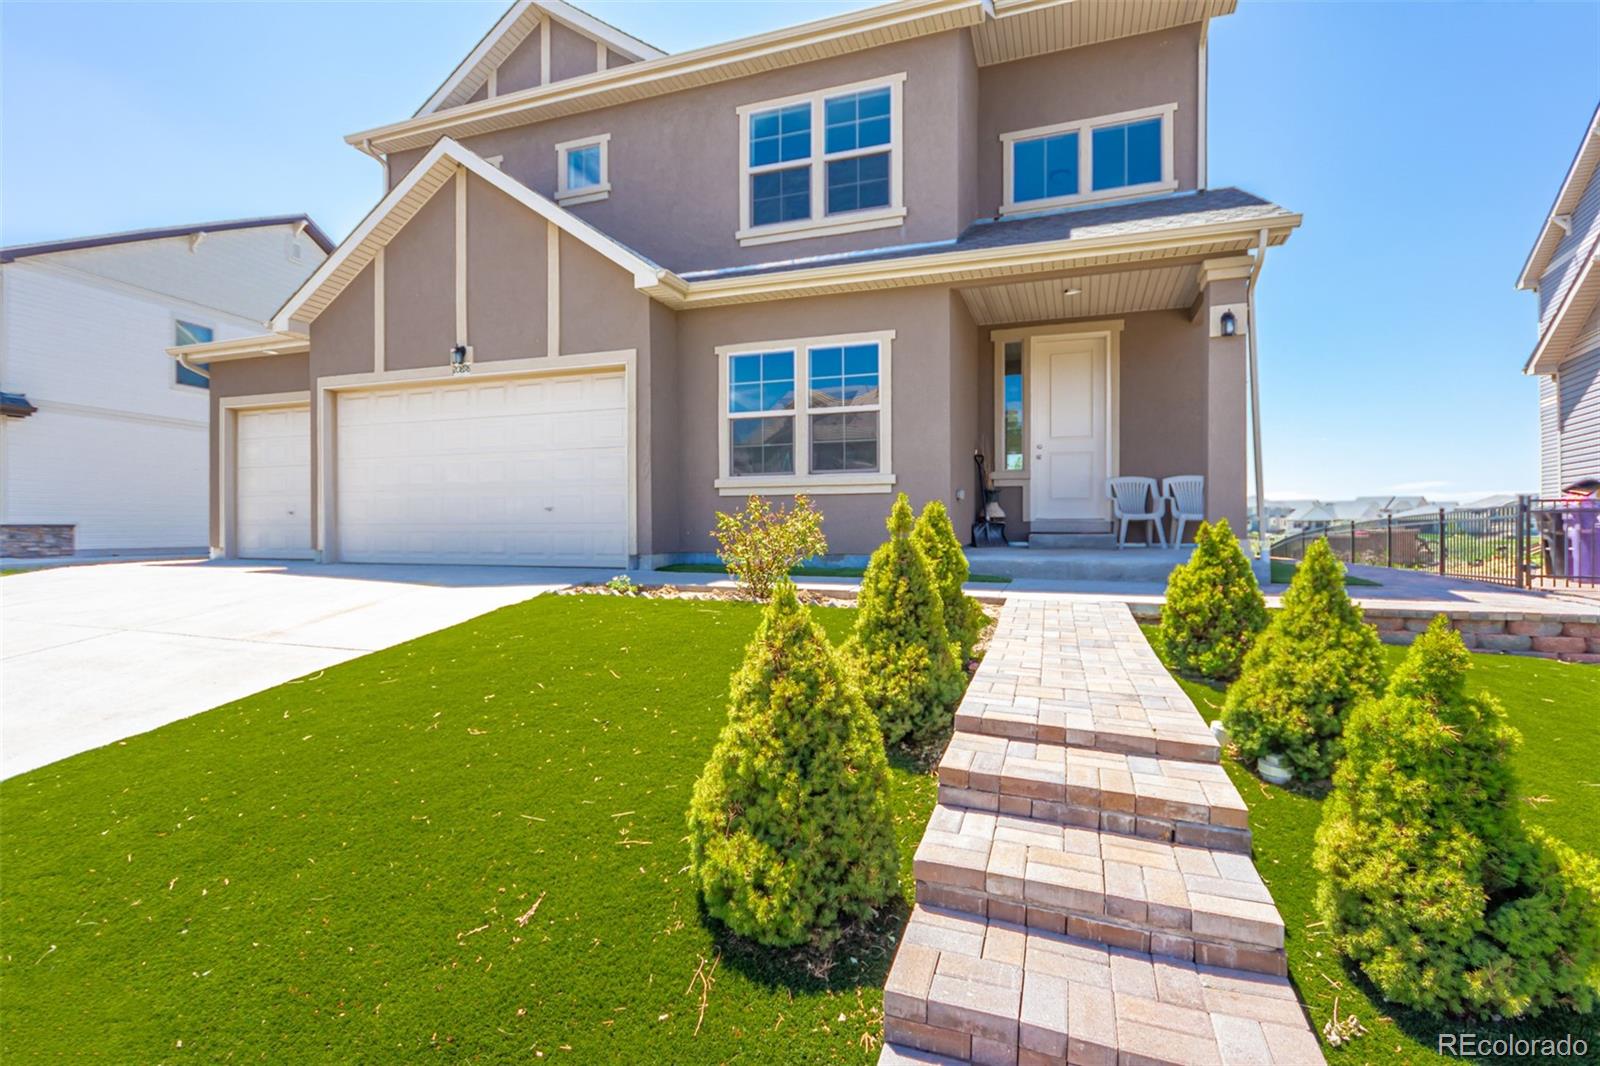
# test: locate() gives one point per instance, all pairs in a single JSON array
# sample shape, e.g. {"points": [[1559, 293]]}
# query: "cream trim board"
{"points": [[1085, 129], [461, 256], [325, 535], [1111, 330], [565, 194], [544, 49], [803, 479], [380, 309], [821, 223], [552, 270], [228, 408]]}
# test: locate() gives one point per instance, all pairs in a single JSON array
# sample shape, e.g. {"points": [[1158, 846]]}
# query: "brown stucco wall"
{"points": [[520, 69], [601, 311], [419, 287], [966, 399], [571, 53], [659, 463], [663, 146], [249, 377], [1101, 79], [1226, 415], [921, 404], [506, 276]]}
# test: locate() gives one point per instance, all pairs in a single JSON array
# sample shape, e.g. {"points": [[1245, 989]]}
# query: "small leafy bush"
{"points": [[623, 585], [1316, 660], [963, 617], [762, 543], [1431, 884], [790, 827], [901, 651], [1214, 608]]}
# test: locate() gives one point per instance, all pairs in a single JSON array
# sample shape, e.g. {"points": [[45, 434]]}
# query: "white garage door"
{"points": [[525, 471], [272, 497]]}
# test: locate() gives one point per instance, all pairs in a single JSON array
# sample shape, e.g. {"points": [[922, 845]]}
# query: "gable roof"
{"points": [[73, 244], [1579, 174], [1565, 326], [514, 27], [432, 172]]}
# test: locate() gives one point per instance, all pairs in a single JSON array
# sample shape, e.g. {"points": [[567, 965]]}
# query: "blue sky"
{"points": [[1423, 143]]}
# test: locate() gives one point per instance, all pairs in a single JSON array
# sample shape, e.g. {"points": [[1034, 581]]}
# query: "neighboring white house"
{"points": [[102, 430]]}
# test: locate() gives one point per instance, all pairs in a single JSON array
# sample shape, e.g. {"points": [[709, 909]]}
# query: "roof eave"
{"points": [[1585, 161], [1554, 341]]}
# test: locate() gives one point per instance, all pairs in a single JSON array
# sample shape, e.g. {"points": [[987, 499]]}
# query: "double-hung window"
{"points": [[808, 414], [582, 170], [185, 333], [821, 163], [1105, 158]]}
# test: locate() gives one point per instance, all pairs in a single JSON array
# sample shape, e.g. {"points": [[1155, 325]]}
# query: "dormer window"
{"points": [[1110, 157], [821, 163], [583, 172]]}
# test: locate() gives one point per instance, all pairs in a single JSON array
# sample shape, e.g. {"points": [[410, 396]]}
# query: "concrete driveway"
{"points": [[93, 654]]}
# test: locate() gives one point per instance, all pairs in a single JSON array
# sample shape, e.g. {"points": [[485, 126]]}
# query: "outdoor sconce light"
{"points": [[1229, 324], [458, 355]]}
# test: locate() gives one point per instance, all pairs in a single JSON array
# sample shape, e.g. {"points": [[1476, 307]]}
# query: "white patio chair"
{"points": [[1135, 499], [1187, 496]]}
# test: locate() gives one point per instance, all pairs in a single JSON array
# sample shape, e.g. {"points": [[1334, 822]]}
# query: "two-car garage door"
{"points": [[523, 471]]}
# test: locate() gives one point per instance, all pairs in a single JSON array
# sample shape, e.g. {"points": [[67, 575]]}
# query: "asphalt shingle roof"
{"points": [[1176, 211]]}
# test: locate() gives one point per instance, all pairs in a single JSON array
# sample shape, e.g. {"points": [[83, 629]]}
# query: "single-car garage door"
{"points": [[524, 471], [272, 497]]}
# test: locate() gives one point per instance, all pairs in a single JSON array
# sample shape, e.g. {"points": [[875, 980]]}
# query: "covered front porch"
{"points": [[1133, 369]]}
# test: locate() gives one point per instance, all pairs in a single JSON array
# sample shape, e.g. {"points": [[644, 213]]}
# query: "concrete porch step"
{"points": [[1135, 795], [1071, 540], [1175, 900], [963, 989]]}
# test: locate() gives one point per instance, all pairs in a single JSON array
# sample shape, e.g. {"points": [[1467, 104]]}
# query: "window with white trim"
{"points": [[824, 162], [583, 170], [810, 414], [1110, 157]]}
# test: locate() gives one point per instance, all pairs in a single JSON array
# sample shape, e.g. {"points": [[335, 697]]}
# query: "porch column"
{"points": [[1222, 289]]}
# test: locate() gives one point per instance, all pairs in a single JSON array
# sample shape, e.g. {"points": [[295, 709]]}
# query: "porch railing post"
{"points": [[1520, 531], [1441, 542]]}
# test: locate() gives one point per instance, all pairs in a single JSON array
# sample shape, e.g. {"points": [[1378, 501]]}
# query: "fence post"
{"points": [[1388, 540], [1352, 541], [1441, 542], [1521, 533]]}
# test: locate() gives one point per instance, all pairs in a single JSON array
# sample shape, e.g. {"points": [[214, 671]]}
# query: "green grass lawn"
{"points": [[1283, 573], [812, 571], [1553, 705], [471, 845]]}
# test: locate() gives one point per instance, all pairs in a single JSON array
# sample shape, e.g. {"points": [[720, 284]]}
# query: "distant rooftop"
{"points": [[73, 244]]}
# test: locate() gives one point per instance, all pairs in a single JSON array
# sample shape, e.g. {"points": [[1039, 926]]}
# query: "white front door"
{"points": [[1068, 423], [528, 471], [272, 497]]}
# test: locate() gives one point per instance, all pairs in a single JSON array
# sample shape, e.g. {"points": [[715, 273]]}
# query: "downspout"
{"points": [[1255, 393], [202, 371]]}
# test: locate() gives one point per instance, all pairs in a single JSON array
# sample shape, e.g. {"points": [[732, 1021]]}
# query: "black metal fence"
{"points": [[1527, 543]]}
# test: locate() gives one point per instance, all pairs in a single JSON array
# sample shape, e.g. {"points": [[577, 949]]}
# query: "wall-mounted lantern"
{"points": [[1229, 324]]}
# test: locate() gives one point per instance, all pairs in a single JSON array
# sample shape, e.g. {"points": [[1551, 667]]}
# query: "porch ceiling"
{"points": [[1121, 292]]}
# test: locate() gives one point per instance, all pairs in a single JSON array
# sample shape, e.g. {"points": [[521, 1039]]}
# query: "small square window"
{"points": [[582, 169]]}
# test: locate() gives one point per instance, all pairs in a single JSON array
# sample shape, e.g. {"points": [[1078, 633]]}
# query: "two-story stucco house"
{"points": [[611, 291], [103, 439], [1562, 270]]}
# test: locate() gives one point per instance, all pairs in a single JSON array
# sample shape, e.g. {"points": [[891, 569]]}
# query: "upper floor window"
{"points": [[188, 333], [806, 414], [582, 170], [1129, 154], [826, 162]]}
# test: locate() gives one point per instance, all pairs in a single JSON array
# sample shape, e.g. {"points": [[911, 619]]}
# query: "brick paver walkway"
{"points": [[1084, 888]]}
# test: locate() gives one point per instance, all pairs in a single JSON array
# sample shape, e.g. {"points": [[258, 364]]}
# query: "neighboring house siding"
{"points": [[1549, 438], [1571, 254], [115, 447], [1579, 413]]}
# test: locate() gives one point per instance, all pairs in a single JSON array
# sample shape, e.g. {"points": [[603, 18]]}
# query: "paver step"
{"points": [[963, 989], [1146, 895], [1136, 795], [1081, 674]]}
